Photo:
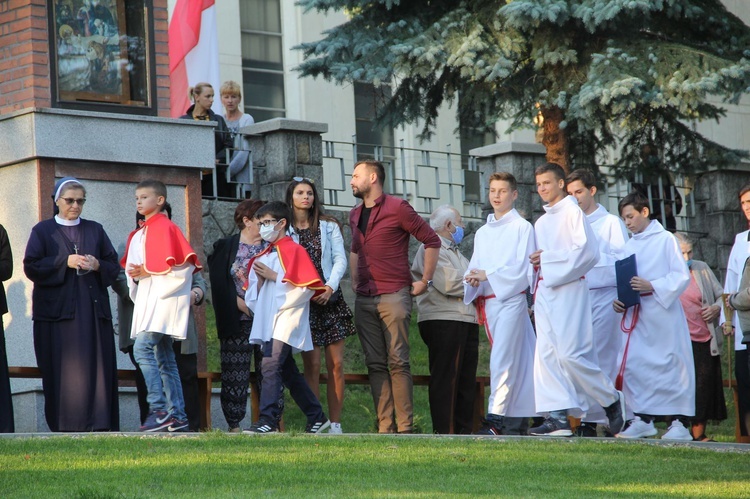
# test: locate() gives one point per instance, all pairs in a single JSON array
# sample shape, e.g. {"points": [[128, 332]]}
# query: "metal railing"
{"points": [[429, 178], [425, 178]]}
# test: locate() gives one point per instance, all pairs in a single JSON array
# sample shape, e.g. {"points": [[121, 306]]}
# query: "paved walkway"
{"points": [[715, 446]]}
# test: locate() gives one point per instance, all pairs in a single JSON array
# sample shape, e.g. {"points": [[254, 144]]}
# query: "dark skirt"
{"points": [[330, 323], [79, 371], [709, 391]]}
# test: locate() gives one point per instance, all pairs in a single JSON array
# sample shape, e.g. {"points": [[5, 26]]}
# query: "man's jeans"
{"points": [[154, 354]]}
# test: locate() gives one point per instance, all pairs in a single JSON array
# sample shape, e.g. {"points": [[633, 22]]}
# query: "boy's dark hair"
{"points": [[277, 209], [158, 186], [635, 199], [550, 167], [374, 166], [586, 177], [505, 176], [745, 189]]}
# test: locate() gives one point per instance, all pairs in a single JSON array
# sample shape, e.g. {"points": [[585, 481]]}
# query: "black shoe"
{"points": [[616, 414], [491, 426], [586, 430], [319, 425], [261, 427], [552, 428]]}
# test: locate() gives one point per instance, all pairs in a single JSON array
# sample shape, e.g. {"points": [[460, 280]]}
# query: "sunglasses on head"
{"points": [[78, 201], [303, 179]]}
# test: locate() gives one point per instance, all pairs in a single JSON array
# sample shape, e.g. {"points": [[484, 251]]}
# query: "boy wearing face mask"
{"points": [[449, 328], [281, 281], [496, 282]]}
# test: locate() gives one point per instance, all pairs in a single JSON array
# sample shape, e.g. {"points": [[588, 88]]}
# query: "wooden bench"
{"points": [[207, 379]]}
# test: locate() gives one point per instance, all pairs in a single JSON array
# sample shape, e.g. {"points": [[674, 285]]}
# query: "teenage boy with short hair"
{"points": [[496, 281], [659, 374], [611, 236], [566, 374]]}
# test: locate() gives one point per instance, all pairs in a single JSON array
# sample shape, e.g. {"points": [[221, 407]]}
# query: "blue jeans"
{"points": [[155, 357], [279, 370]]}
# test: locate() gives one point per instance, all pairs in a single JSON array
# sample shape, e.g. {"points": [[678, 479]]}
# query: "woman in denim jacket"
{"points": [[330, 317]]}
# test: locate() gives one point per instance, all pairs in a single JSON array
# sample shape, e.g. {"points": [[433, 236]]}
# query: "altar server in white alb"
{"points": [[496, 281], [566, 371], [611, 236], [659, 375]]}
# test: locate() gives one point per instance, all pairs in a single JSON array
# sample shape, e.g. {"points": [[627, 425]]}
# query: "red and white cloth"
{"points": [[193, 52]]}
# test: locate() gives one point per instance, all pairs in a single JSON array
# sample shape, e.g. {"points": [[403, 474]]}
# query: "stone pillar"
{"points": [[718, 215], [282, 149], [520, 159]]}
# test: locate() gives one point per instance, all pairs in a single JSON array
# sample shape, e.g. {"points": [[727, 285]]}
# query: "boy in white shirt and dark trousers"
{"points": [[281, 281], [566, 373]]}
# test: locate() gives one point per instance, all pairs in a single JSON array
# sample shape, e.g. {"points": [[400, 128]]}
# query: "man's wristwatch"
{"points": [[428, 282]]}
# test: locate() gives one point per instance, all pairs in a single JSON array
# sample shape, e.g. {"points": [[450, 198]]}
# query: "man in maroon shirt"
{"points": [[381, 278]]}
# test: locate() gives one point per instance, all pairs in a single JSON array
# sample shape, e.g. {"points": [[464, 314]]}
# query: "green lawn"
{"points": [[359, 415], [220, 465]]}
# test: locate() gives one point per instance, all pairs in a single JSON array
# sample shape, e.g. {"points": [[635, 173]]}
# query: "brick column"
{"points": [[24, 55], [161, 53]]}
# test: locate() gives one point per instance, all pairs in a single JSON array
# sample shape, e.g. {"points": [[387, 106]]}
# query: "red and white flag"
{"points": [[193, 52]]}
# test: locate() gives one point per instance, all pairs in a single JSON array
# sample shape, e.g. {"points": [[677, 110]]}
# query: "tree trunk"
{"points": [[555, 139]]}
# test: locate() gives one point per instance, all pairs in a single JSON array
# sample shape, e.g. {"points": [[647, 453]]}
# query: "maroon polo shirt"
{"points": [[383, 251]]}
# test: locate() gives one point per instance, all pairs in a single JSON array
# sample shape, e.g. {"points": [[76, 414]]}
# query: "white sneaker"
{"points": [[677, 431], [335, 429], [638, 429]]}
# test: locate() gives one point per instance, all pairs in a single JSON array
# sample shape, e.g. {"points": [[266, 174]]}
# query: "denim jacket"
{"points": [[333, 255]]}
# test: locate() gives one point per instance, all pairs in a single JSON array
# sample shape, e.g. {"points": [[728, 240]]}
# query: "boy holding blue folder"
{"points": [[659, 376]]}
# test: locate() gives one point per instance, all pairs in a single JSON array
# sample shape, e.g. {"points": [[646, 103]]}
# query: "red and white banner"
{"points": [[193, 52]]}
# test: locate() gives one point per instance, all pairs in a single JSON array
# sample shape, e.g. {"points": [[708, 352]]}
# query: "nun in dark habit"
{"points": [[71, 262]]}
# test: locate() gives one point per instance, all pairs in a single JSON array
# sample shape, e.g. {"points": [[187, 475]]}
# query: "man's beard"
{"points": [[360, 193]]}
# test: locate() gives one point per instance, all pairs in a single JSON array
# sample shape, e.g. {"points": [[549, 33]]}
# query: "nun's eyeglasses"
{"points": [[78, 201]]}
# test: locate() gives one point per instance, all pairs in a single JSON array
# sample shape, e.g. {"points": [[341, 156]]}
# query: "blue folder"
{"points": [[625, 270]]}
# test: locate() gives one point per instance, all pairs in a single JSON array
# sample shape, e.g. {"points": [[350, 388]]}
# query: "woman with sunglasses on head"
{"points": [[330, 317], [71, 262]]}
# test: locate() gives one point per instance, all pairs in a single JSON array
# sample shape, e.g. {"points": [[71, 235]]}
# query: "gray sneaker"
{"points": [[552, 428]]}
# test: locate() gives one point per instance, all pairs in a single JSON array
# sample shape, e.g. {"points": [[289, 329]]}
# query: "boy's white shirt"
{"points": [[281, 311], [577, 250], [161, 302], [611, 236], [506, 264], [660, 374]]}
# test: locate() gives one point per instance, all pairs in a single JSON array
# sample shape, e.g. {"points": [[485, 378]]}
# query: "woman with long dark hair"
{"points": [[330, 317]]}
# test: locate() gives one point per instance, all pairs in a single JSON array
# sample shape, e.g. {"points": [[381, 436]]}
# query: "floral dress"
{"points": [[332, 322]]}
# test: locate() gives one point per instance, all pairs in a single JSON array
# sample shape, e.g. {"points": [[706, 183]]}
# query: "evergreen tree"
{"points": [[604, 74]]}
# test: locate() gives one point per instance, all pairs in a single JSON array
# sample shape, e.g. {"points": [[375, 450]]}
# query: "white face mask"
{"points": [[268, 233]]}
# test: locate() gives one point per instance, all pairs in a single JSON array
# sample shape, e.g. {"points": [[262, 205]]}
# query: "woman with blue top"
{"points": [[330, 317]]}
